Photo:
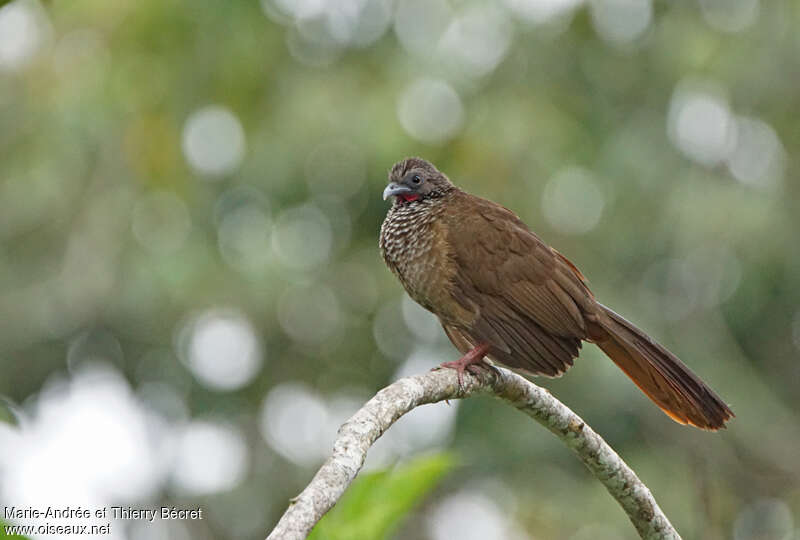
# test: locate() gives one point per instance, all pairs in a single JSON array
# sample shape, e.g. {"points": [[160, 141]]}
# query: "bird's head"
{"points": [[415, 179]]}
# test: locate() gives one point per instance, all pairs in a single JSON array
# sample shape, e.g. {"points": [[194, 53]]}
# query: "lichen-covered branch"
{"points": [[357, 435]]}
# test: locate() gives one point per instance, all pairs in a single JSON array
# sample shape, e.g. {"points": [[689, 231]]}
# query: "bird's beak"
{"points": [[395, 189]]}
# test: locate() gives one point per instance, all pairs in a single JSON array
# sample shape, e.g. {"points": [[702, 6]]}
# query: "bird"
{"points": [[501, 293]]}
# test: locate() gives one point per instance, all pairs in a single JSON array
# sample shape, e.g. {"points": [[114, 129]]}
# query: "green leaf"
{"points": [[376, 502]]}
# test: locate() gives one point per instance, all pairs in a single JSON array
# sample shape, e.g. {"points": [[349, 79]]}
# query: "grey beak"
{"points": [[395, 189]]}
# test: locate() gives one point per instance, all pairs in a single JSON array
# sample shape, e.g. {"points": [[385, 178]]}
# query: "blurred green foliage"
{"points": [[376, 502]]}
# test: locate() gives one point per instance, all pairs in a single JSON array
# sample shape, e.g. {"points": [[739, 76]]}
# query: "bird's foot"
{"points": [[472, 361]]}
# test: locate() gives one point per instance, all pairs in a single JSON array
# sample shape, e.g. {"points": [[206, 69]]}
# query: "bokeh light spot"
{"points": [[374, 19], [477, 40], [295, 423], [419, 24], [572, 202], [321, 29], [210, 457], [730, 15], [621, 21], [430, 110], [700, 123], [213, 141], [301, 9], [88, 441], [23, 28], [310, 43], [302, 237], [469, 515], [221, 349], [758, 158], [542, 11]]}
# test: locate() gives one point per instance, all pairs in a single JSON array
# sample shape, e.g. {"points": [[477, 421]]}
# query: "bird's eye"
{"points": [[416, 179]]}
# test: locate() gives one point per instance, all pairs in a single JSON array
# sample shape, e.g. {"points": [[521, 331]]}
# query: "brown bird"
{"points": [[501, 292]]}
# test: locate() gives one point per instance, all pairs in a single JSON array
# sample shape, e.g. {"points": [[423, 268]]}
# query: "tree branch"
{"points": [[358, 434]]}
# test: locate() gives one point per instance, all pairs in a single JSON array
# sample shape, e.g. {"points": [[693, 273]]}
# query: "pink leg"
{"points": [[471, 361]]}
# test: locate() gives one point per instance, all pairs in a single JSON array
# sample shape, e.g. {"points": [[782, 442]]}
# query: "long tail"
{"points": [[659, 374]]}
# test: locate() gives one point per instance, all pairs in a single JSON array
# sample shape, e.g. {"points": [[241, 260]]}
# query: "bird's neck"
{"points": [[420, 202], [418, 208], [408, 198]]}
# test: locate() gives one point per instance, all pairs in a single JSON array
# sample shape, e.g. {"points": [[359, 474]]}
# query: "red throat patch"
{"points": [[409, 197]]}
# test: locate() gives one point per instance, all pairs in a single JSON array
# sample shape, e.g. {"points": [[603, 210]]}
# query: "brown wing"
{"points": [[530, 299], [533, 308]]}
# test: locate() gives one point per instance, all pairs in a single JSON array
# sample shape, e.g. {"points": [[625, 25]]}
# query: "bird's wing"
{"points": [[532, 300]]}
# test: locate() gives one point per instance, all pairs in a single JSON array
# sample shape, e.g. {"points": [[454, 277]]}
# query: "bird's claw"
{"points": [[472, 361], [459, 366], [475, 368]]}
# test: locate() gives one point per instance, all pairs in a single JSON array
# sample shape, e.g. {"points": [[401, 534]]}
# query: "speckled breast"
{"points": [[416, 251]]}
